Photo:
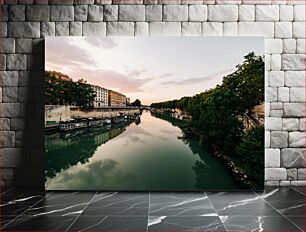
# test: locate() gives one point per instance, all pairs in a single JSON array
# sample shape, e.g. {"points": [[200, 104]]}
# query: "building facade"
{"points": [[101, 99], [116, 99]]}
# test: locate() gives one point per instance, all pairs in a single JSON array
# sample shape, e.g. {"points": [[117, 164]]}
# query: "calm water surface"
{"points": [[149, 156]]}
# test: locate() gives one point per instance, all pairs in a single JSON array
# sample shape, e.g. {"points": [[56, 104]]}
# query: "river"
{"points": [[148, 155]]}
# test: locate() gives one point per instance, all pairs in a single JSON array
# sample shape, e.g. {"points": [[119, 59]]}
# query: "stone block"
{"points": [[24, 45], [197, 13], [175, 13], [75, 28], [120, 29], [296, 139], [131, 13], [294, 110], [283, 30], [300, 47], [11, 109], [24, 29], [165, 28], [290, 124], [16, 62], [80, 12], [230, 29], [141, 29], [191, 29], [267, 12], [212, 29], [47, 29], [272, 158], [256, 29], [8, 45], [271, 94], [277, 113], [279, 139], [298, 30], [9, 94], [267, 139], [301, 175], [273, 123], [291, 174], [293, 157], [4, 15], [284, 183], [276, 79], [154, 13], [275, 174], [293, 61], [62, 13], [17, 13], [110, 13], [2, 62], [62, 29], [9, 78], [295, 78], [297, 94], [273, 46], [95, 13], [297, 183], [222, 13], [267, 62], [39, 13], [299, 13], [302, 125], [276, 62], [246, 13], [94, 29], [271, 183], [286, 13], [289, 46], [12, 157]]}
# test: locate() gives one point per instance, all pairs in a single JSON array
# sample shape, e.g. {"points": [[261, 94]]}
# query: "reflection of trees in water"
{"points": [[79, 146], [205, 168]]}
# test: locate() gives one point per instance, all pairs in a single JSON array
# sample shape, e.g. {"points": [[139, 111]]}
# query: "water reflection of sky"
{"points": [[147, 156]]}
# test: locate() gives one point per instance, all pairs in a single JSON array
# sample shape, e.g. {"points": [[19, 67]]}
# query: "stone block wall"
{"points": [[25, 23]]}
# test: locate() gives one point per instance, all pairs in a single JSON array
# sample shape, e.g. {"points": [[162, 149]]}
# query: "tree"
{"points": [[137, 103], [62, 92]]}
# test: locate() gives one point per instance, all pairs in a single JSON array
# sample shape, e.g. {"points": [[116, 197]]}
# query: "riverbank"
{"points": [[190, 132]]}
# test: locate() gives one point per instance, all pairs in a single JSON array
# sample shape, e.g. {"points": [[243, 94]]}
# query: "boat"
{"points": [[118, 119], [73, 125]]}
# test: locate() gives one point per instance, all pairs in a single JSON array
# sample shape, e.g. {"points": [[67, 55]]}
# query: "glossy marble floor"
{"points": [[274, 210]]}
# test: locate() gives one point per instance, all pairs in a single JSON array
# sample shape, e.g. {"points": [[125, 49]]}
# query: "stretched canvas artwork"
{"points": [[154, 113]]}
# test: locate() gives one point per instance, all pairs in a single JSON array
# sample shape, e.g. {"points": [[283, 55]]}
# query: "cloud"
{"points": [[123, 82], [101, 174], [197, 80], [67, 54]]}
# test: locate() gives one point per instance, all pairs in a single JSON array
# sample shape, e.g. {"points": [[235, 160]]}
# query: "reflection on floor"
{"points": [[280, 209]]}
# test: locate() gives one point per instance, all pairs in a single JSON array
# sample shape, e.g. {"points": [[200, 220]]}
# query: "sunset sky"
{"points": [[151, 69]]}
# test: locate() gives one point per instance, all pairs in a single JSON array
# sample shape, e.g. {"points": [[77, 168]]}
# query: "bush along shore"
{"points": [[229, 119]]}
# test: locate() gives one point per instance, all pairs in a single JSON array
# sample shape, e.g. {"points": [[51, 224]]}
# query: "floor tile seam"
{"points": [[298, 191], [25, 211], [149, 207], [215, 210], [82, 212], [284, 215]]}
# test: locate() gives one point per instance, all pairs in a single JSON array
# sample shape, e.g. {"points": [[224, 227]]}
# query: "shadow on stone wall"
{"points": [[31, 138]]}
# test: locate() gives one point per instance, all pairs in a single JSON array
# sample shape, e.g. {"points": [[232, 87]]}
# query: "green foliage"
{"points": [[217, 113], [61, 92], [250, 154]]}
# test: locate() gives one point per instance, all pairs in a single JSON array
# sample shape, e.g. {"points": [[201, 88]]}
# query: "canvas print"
{"points": [[154, 113]]}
